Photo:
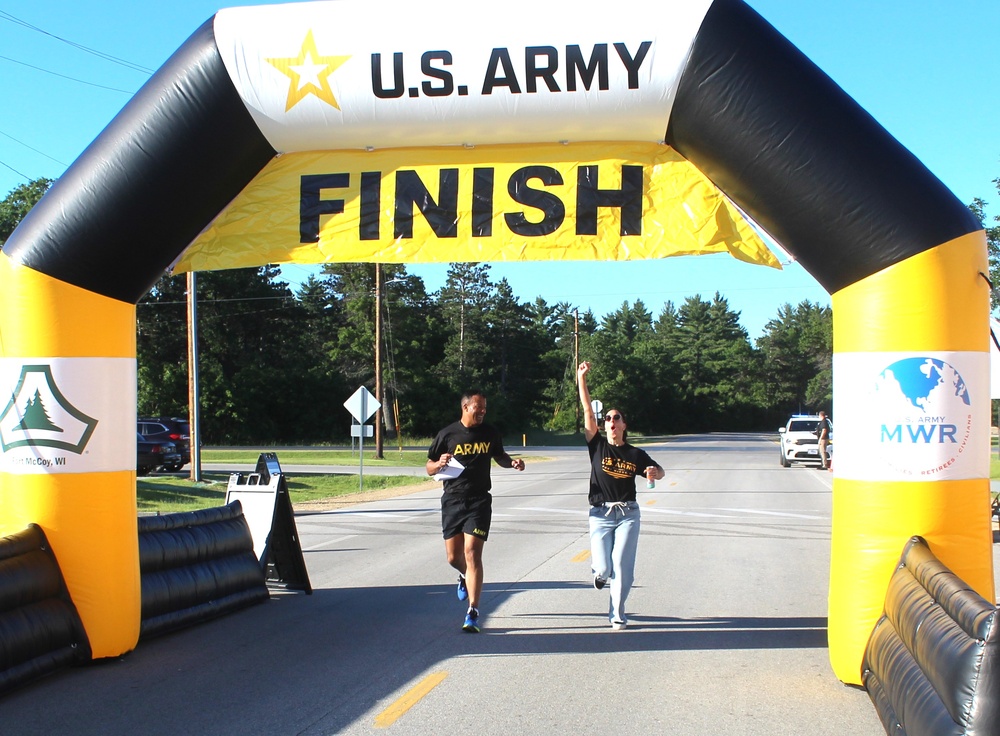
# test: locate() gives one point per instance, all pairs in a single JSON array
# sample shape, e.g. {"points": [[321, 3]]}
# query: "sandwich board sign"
{"points": [[267, 509]]}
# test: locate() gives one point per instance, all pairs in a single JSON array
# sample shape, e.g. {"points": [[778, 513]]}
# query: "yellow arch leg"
{"points": [[908, 473], [67, 361]]}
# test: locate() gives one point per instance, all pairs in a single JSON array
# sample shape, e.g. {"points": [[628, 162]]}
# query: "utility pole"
{"points": [[194, 424], [576, 361], [379, 438]]}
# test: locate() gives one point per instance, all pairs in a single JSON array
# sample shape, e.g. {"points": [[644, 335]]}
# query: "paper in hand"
{"points": [[452, 470]]}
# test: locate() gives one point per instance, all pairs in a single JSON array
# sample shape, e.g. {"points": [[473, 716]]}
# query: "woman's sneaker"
{"points": [[463, 592], [471, 624]]}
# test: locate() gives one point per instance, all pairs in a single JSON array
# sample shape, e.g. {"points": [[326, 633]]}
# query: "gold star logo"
{"points": [[308, 73]]}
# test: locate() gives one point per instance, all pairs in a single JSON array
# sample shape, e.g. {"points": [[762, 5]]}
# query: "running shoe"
{"points": [[471, 624], [618, 625], [463, 592], [599, 582]]}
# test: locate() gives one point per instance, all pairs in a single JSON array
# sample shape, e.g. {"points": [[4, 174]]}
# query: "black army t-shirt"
{"points": [[613, 470], [473, 447]]}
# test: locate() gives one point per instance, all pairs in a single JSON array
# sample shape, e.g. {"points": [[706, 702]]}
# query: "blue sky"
{"points": [[927, 70]]}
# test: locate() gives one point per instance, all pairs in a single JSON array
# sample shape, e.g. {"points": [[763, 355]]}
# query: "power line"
{"points": [[8, 135], [203, 300], [23, 176], [86, 49], [72, 79]]}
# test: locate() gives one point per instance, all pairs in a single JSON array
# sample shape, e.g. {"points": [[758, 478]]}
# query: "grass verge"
{"points": [[319, 456], [168, 494], [313, 456]]}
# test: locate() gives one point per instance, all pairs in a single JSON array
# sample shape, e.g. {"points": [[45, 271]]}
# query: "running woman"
{"points": [[614, 512]]}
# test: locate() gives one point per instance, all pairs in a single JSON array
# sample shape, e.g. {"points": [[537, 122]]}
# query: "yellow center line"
{"points": [[409, 699], [651, 502], [581, 556]]}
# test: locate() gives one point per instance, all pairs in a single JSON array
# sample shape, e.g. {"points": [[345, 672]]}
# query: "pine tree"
{"points": [[36, 417]]}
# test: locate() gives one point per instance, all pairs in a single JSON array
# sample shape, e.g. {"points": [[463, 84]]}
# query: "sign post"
{"points": [[362, 405]]}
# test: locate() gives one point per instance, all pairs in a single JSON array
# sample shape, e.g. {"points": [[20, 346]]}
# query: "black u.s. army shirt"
{"points": [[613, 470], [473, 447]]}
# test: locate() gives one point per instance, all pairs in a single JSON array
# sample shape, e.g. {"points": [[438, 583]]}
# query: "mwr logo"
{"points": [[38, 415], [924, 415]]}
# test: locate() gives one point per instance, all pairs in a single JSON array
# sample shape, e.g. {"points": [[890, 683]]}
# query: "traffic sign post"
{"points": [[362, 405]]}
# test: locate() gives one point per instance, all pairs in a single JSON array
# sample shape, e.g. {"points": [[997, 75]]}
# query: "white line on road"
{"points": [[778, 513], [675, 512], [381, 514], [573, 512], [326, 542]]}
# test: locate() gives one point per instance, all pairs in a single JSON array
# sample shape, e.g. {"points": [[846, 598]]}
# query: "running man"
{"points": [[461, 452]]}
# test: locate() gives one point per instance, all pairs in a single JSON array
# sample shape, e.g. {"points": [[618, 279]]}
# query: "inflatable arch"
{"points": [[283, 133]]}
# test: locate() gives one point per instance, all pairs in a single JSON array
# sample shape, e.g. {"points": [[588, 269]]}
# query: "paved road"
{"points": [[727, 632]]}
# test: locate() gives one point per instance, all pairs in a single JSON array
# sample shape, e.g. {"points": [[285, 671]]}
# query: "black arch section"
{"points": [[168, 163], [801, 157]]}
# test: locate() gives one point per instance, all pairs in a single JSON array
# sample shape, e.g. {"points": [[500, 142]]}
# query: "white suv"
{"points": [[798, 440]]}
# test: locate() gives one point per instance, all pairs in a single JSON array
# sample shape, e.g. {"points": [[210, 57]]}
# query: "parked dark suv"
{"points": [[168, 429], [152, 454]]}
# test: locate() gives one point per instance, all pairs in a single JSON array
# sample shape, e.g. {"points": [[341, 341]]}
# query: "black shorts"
{"points": [[466, 514]]}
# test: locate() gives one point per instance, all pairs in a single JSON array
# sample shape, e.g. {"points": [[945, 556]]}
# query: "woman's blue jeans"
{"points": [[614, 537]]}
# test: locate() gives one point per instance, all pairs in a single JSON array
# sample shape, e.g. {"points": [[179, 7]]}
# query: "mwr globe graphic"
{"points": [[923, 415], [927, 384]]}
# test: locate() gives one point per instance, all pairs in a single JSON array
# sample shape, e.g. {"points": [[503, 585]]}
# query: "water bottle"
{"points": [[650, 480]]}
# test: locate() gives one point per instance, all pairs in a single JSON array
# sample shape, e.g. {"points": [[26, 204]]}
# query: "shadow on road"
{"points": [[317, 664]]}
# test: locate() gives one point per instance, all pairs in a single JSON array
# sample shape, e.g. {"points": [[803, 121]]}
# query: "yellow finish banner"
{"points": [[545, 202]]}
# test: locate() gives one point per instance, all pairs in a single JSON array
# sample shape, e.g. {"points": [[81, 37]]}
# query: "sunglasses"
{"points": [[614, 417]]}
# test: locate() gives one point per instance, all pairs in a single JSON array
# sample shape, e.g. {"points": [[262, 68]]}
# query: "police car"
{"points": [[798, 440]]}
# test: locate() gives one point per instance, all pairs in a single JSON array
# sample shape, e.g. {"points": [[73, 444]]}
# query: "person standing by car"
{"points": [[614, 512], [461, 453], [823, 436]]}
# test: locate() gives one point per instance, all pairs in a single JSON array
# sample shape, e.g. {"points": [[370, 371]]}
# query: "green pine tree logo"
{"points": [[35, 416], [36, 405]]}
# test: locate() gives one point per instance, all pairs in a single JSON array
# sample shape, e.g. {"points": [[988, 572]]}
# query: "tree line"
{"points": [[275, 366]]}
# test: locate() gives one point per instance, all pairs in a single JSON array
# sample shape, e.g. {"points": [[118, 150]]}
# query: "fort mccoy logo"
{"points": [[39, 417]]}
